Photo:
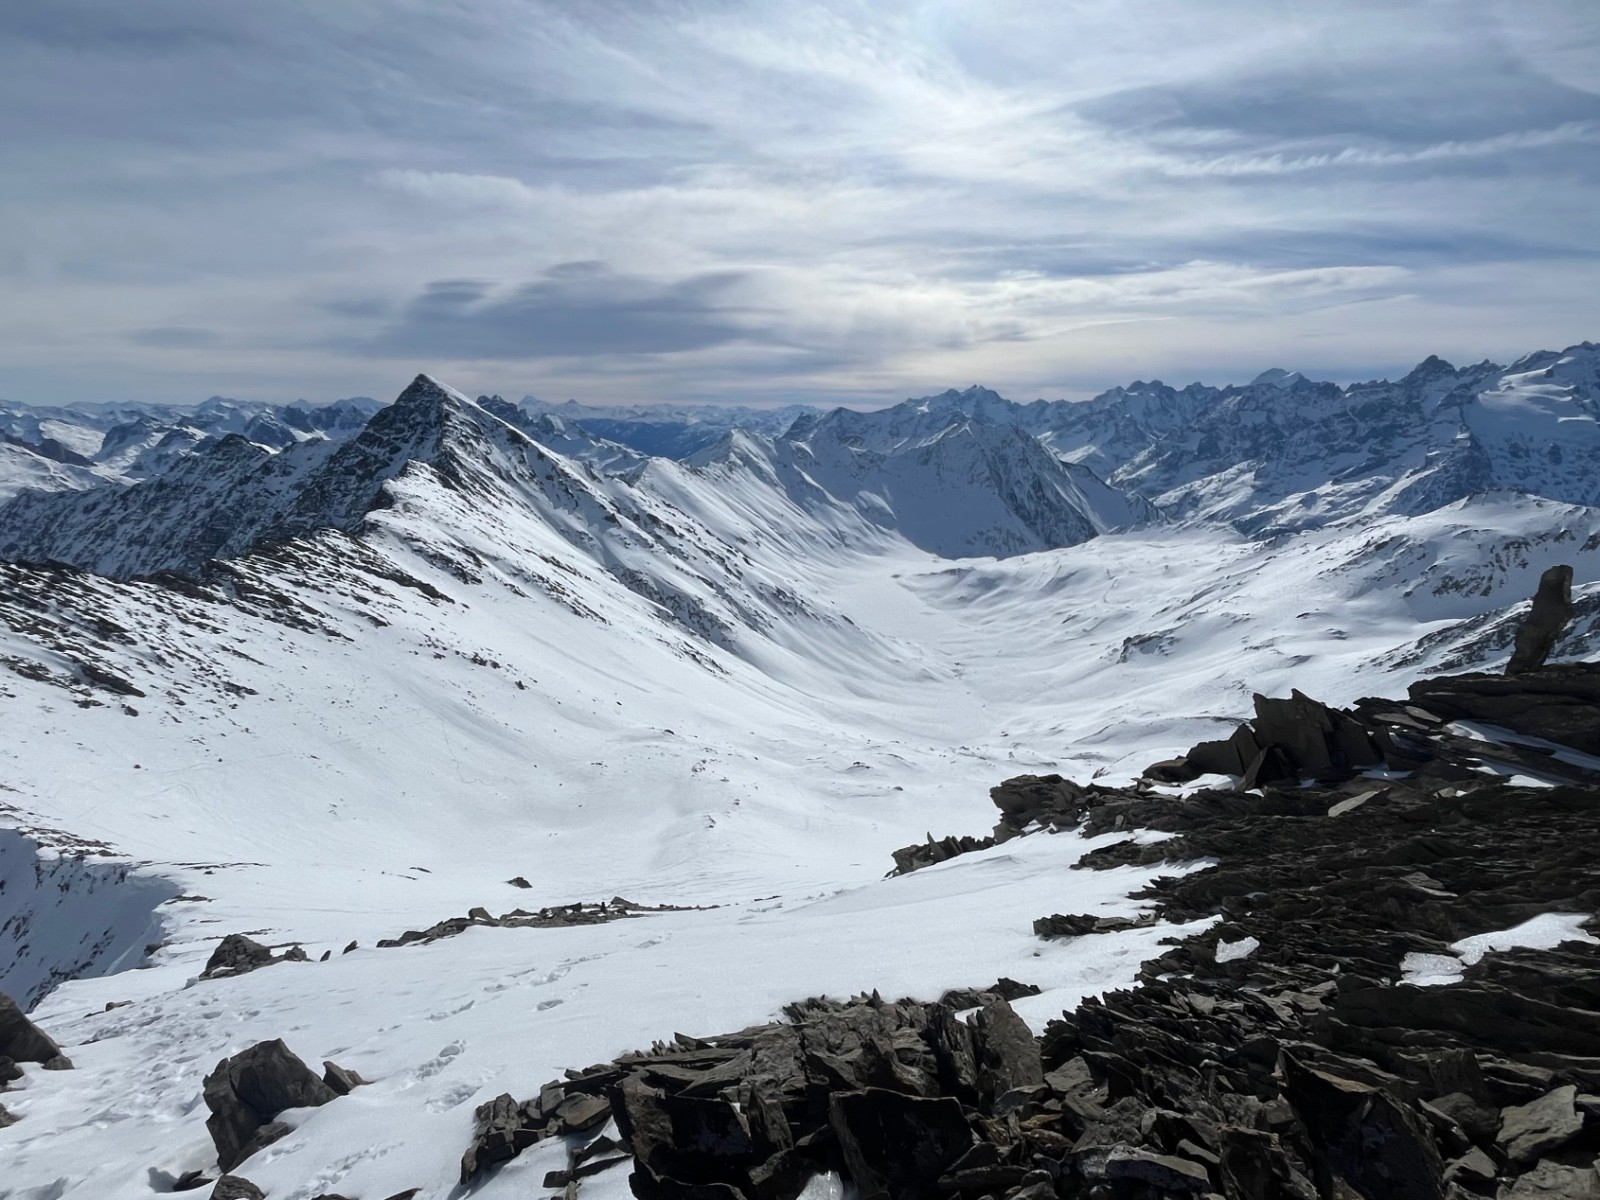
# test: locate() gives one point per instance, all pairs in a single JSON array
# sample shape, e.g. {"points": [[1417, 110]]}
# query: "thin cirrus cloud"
{"points": [[576, 310], [829, 199], [1572, 133]]}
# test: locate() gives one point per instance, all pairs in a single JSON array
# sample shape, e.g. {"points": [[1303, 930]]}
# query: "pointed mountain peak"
{"points": [[427, 392]]}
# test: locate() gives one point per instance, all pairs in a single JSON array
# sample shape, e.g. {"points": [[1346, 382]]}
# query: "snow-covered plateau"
{"points": [[322, 675]]}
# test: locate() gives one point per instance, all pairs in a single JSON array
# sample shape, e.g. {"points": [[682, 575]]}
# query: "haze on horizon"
{"points": [[629, 201]]}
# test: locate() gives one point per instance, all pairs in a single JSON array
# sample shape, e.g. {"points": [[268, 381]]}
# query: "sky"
{"points": [[628, 200]]}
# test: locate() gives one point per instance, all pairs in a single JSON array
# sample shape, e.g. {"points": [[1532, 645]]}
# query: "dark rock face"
{"points": [[1560, 703], [895, 1146], [23, 1041], [246, 1092], [1541, 630], [1359, 1134]]}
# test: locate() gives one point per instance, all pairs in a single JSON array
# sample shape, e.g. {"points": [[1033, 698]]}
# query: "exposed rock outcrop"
{"points": [[236, 1187], [23, 1041], [1542, 628], [557, 916], [237, 954], [248, 1091]]}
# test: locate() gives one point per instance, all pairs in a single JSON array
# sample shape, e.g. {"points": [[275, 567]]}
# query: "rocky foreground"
{"points": [[1345, 1029]]}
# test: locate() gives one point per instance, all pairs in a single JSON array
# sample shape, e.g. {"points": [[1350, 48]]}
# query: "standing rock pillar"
{"points": [[1552, 609]]}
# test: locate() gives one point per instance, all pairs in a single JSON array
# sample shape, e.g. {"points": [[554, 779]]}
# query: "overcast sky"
{"points": [[622, 200]]}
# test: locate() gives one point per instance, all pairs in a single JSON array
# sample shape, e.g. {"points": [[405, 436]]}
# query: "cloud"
{"points": [[454, 187], [622, 198], [1572, 133], [175, 337], [576, 310]]}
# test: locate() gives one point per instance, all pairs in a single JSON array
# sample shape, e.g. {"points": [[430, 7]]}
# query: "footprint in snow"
{"points": [[437, 1063], [455, 1096], [445, 1016]]}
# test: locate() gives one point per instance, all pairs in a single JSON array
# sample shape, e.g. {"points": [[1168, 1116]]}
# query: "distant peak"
{"points": [[1277, 377]]}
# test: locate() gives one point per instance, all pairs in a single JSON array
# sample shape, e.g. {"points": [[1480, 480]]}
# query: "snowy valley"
{"points": [[323, 675]]}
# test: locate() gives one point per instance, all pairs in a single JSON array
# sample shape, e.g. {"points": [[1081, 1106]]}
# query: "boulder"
{"points": [[505, 1128], [236, 1187], [1479, 1121], [340, 1080], [1554, 1181], [237, 955], [247, 1091], [1164, 1172], [20, 1039], [1541, 629], [896, 1147], [1474, 1171], [926, 854], [955, 1055], [688, 1139], [1064, 925], [1172, 770], [1529, 1131], [1361, 1135], [1007, 1052], [579, 1113], [1299, 726], [1231, 756], [1026, 798]]}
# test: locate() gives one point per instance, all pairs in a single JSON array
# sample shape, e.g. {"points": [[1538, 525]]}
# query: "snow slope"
{"points": [[460, 658]]}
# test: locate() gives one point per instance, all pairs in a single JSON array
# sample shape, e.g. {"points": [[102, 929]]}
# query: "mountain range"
{"points": [[325, 677]]}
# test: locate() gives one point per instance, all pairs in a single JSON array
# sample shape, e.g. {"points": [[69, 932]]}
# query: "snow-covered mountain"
{"points": [[667, 430], [121, 443], [1285, 452], [329, 690], [958, 488]]}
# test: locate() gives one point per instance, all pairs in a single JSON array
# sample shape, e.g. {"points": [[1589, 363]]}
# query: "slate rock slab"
{"points": [[1530, 1131]]}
